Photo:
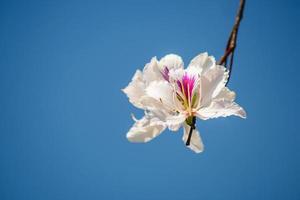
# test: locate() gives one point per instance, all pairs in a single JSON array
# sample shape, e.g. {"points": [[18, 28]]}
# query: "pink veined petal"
{"points": [[165, 73]]}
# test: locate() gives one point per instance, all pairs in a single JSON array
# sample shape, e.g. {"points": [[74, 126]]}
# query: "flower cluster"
{"points": [[171, 96]]}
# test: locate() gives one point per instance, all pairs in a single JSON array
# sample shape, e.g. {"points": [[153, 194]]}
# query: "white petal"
{"points": [[145, 129], [163, 92], [151, 71], [174, 122], [226, 94], [171, 61], [176, 74], [202, 63], [221, 108], [136, 89], [172, 119], [196, 143], [156, 107], [211, 83]]}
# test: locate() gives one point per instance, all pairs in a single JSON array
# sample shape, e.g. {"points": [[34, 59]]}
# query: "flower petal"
{"points": [[135, 89], [151, 71], [174, 122], [211, 84], [226, 94], [171, 61], [221, 108], [201, 63], [163, 92], [196, 143], [156, 108], [145, 129], [172, 119], [176, 74]]}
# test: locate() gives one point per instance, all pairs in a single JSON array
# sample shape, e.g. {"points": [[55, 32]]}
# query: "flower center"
{"points": [[186, 85], [188, 97]]}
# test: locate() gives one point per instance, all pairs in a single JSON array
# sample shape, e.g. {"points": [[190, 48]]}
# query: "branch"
{"points": [[231, 43], [229, 53]]}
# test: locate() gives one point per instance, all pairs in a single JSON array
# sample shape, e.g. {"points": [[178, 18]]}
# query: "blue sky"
{"points": [[63, 117]]}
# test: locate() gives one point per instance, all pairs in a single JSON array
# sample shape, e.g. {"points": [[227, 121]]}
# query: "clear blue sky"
{"points": [[63, 117]]}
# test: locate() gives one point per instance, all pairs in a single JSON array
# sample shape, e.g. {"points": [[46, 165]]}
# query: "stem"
{"points": [[229, 52], [188, 141]]}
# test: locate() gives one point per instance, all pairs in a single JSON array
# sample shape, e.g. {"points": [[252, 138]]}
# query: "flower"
{"points": [[172, 96]]}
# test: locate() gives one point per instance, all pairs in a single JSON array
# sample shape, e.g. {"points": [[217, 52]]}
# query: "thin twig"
{"points": [[229, 53], [231, 43]]}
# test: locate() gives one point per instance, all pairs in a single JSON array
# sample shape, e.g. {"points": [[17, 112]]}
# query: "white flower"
{"points": [[171, 96]]}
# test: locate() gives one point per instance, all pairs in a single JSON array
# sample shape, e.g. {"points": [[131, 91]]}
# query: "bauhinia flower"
{"points": [[172, 96]]}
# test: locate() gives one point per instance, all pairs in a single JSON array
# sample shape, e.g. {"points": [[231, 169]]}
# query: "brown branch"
{"points": [[229, 53], [231, 43]]}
